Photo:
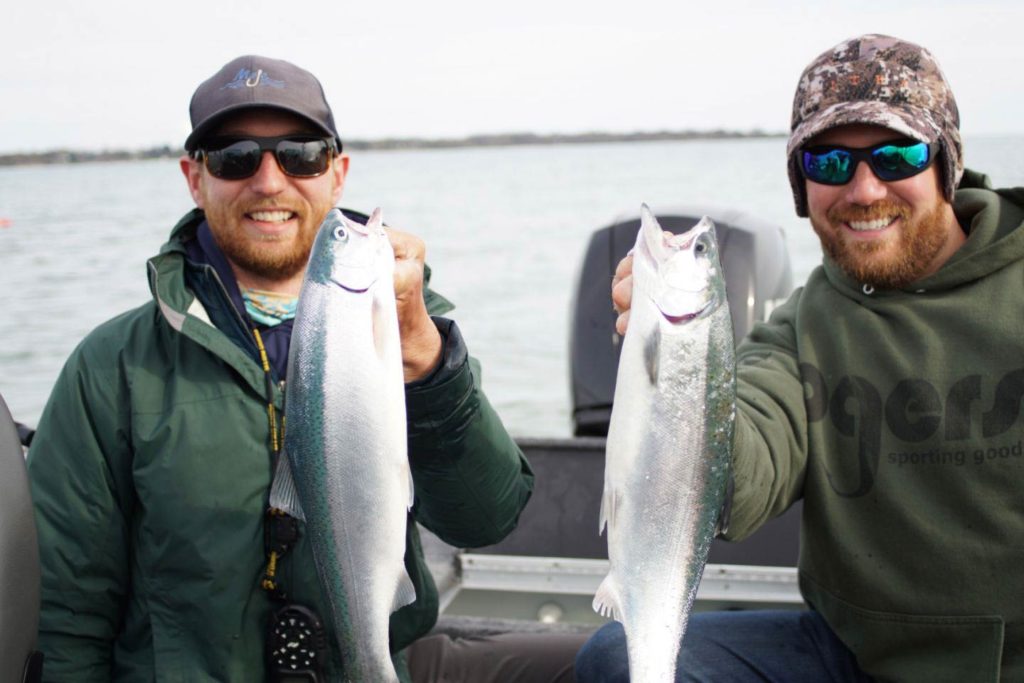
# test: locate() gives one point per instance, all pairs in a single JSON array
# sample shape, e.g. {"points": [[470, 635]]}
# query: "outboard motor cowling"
{"points": [[758, 278]]}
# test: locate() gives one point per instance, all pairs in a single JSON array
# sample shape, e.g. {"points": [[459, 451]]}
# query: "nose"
{"points": [[865, 188], [269, 179]]}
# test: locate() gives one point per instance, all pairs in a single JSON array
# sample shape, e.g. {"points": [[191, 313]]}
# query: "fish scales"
{"points": [[345, 438], [669, 440]]}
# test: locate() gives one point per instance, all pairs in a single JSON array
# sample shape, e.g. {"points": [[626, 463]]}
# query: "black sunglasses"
{"points": [[235, 158], [835, 165]]}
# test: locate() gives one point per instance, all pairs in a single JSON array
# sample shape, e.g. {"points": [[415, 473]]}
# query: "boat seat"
{"points": [[19, 562]]}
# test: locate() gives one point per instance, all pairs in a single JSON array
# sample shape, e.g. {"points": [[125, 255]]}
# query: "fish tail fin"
{"points": [[283, 494], [405, 592], [606, 600]]}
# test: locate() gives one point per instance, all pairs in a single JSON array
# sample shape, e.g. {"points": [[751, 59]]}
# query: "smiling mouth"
{"points": [[278, 216], [873, 225]]}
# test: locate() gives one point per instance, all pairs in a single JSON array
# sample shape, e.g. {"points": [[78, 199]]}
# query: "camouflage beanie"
{"points": [[877, 80]]}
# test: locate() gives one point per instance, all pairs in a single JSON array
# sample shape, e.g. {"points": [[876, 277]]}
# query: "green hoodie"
{"points": [[150, 472], [896, 417]]}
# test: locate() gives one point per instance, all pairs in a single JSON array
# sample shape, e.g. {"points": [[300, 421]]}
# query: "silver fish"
{"points": [[669, 441], [346, 470]]}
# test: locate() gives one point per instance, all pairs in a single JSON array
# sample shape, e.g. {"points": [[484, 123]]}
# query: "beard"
{"points": [[892, 262], [274, 257], [256, 258]]}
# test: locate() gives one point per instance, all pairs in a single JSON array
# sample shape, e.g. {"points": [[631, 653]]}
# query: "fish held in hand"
{"points": [[345, 468], [669, 442]]}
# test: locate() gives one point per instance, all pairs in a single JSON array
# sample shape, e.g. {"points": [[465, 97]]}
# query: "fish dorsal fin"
{"points": [[405, 592], [606, 600], [283, 494]]}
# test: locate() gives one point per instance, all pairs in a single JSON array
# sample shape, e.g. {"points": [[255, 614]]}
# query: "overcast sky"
{"points": [[119, 74]]}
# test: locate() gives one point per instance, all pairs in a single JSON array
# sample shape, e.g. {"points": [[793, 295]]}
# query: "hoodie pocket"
{"points": [[908, 647]]}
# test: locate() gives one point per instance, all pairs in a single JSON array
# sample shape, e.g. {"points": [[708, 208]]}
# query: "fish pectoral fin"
{"points": [[651, 348], [405, 592], [609, 504], [606, 600], [412, 493], [383, 325], [283, 494]]}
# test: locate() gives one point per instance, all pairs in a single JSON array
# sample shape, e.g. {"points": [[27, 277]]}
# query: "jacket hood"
{"points": [[167, 276]]}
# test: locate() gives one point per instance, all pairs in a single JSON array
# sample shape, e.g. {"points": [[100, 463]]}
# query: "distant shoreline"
{"points": [[66, 156]]}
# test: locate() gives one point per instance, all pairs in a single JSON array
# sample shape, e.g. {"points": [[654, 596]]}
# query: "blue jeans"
{"points": [[784, 646]]}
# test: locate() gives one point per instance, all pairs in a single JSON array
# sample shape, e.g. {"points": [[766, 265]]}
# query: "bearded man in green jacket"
{"points": [[887, 395], [153, 459]]}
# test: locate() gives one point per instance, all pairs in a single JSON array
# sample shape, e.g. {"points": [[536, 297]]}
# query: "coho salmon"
{"points": [[345, 468], [669, 441]]}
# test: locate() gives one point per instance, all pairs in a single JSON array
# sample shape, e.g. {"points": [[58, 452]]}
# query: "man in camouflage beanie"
{"points": [[878, 80], [883, 101], [885, 394]]}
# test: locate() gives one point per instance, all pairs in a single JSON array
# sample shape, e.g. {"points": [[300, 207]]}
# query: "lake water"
{"points": [[505, 227]]}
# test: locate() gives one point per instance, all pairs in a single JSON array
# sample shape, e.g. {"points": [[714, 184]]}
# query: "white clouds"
{"points": [[119, 74]]}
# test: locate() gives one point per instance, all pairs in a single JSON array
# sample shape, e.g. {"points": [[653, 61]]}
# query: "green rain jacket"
{"points": [[150, 472], [896, 416]]}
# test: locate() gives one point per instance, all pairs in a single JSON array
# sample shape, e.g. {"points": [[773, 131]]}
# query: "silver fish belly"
{"points": [[345, 439], [669, 442]]}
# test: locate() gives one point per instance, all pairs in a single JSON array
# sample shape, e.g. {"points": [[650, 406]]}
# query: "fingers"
{"points": [[406, 245], [623, 269], [622, 292], [421, 342], [410, 254], [621, 323]]}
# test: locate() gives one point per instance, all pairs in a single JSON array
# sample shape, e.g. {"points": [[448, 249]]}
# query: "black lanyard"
{"points": [[280, 531]]}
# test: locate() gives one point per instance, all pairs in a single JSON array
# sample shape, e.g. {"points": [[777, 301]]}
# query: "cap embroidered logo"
{"points": [[246, 78]]}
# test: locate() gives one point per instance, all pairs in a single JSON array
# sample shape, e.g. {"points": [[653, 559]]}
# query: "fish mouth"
{"points": [[355, 285], [353, 277], [678, 307], [354, 290], [677, 319]]}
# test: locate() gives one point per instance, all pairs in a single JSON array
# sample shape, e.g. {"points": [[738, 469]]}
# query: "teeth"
{"points": [[271, 216], [876, 224]]}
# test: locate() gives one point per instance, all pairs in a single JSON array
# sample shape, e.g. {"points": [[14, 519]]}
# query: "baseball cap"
{"points": [[880, 80], [252, 81]]}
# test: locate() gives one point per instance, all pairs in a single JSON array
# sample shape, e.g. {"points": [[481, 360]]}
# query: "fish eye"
{"points": [[700, 247], [340, 233]]}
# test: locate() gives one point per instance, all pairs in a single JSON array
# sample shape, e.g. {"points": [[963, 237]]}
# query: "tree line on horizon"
{"points": [[66, 156]]}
